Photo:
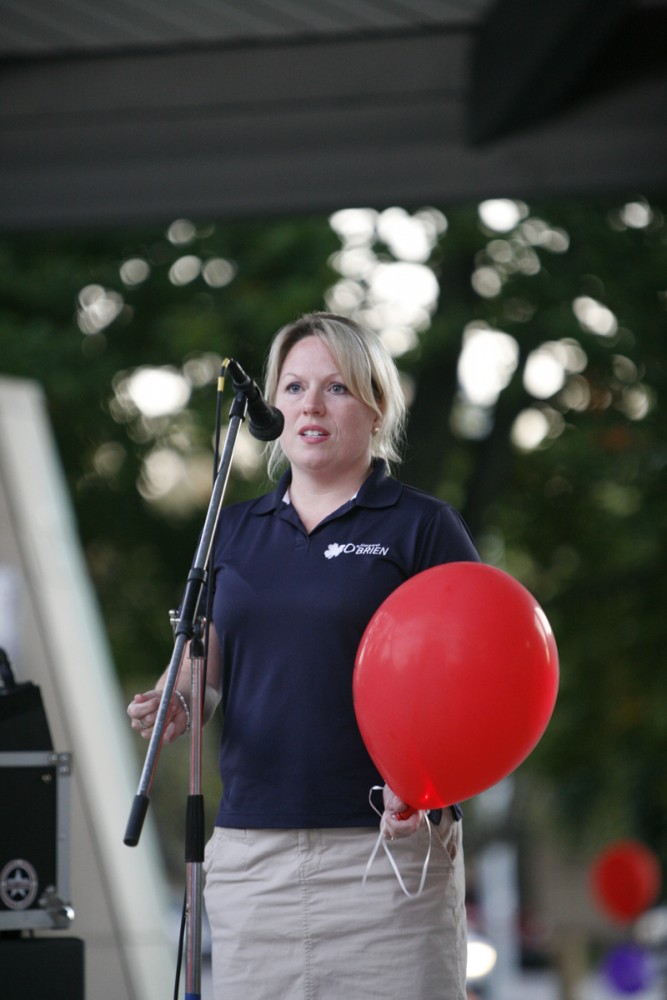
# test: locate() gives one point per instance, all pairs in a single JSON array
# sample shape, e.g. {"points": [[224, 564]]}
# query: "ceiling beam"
{"points": [[295, 128]]}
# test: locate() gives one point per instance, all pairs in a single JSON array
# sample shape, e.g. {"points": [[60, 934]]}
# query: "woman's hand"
{"points": [[143, 710], [391, 825]]}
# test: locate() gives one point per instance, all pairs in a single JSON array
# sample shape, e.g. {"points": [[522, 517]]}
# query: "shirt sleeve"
{"points": [[446, 538]]}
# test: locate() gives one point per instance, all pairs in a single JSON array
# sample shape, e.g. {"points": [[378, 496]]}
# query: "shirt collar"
{"points": [[378, 490]]}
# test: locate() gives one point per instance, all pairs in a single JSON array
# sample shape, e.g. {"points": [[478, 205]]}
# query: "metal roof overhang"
{"points": [[288, 126]]}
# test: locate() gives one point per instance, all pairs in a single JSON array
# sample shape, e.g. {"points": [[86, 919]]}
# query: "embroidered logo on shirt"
{"points": [[349, 548]]}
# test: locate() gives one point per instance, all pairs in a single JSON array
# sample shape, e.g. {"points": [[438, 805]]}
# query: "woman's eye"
{"points": [[292, 388], [338, 388]]}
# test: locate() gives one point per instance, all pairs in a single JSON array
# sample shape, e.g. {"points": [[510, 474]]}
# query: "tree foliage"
{"points": [[579, 516]]}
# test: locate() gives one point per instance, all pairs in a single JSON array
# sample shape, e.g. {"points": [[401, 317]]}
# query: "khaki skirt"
{"points": [[292, 919]]}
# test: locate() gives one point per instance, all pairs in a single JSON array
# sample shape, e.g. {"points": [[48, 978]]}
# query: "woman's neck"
{"points": [[314, 499]]}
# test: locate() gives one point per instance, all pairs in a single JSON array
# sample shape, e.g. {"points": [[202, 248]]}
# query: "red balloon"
{"points": [[454, 682], [625, 879]]}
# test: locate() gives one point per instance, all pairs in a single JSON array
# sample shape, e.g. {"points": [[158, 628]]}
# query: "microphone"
{"points": [[266, 422]]}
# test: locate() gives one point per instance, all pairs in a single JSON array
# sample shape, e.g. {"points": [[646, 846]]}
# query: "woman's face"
{"points": [[327, 430]]}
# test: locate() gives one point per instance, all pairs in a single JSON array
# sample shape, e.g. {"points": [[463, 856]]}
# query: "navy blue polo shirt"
{"points": [[290, 609]]}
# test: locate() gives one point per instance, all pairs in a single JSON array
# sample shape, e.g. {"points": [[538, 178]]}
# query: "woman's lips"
{"points": [[313, 433]]}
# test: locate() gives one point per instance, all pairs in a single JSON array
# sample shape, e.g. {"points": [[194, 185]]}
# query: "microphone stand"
{"points": [[188, 628], [194, 837]]}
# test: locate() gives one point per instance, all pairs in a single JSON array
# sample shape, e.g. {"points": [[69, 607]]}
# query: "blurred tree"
{"points": [[580, 517], [537, 408], [80, 313]]}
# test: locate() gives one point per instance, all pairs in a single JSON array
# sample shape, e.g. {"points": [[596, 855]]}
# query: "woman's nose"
{"points": [[313, 401]]}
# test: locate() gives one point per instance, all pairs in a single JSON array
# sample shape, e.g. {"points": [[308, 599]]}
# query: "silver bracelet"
{"points": [[184, 706]]}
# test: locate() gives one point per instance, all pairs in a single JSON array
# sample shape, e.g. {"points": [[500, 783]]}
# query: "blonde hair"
{"points": [[366, 366]]}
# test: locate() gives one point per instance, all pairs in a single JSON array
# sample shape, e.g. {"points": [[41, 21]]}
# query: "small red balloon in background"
{"points": [[455, 681], [625, 879]]}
